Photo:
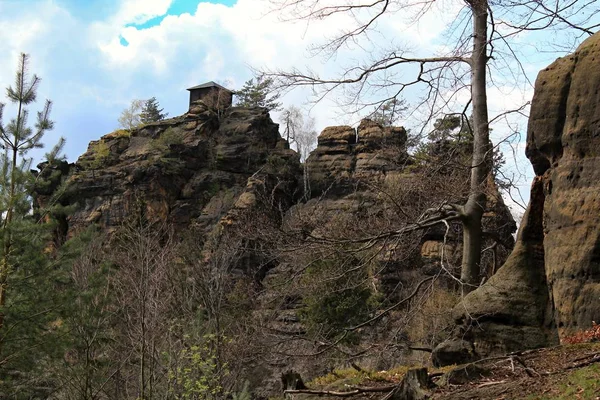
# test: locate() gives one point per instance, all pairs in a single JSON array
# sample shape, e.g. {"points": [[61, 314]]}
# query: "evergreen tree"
{"points": [[29, 281], [450, 144], [17, 140], [388, 113], [151, 111], [258, 94]]}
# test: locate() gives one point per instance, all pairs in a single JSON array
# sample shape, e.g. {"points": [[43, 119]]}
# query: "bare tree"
{"points": [[131, 117], [299, 130], [218, 101], [86, 372], [292, 123], [481, 34], [144, 256]]}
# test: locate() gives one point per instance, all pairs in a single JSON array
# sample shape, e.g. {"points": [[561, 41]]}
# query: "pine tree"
{"points": [[17, 140], [258, 94], [28, 281], [389, 112], [151, 111]]}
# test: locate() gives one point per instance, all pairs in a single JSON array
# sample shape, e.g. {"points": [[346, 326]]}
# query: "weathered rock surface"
{"points": [[550, 285], [511, 311], [563, 143], [211, 172], [187, 170], [345, 155]]}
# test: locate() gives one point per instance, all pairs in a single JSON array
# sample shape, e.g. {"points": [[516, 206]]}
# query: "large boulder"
{"points": [[563, 143], [550, 285]]}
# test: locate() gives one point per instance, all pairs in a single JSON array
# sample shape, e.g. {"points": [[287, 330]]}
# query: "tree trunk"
{"points": [[473, 209], [414, 386]]}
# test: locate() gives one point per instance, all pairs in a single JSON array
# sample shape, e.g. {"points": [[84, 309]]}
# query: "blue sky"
{"points": [[95, 56]]}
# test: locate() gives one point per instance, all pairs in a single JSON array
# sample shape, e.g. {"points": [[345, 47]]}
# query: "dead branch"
{"points": [[398, 304], [353, 392], [595, 359]]}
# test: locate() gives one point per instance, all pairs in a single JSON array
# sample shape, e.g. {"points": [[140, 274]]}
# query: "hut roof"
{"points": [[208, 85]]}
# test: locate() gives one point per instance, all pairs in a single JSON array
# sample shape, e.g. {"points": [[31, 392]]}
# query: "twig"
{"points": [[586, 363], [491, 383]]}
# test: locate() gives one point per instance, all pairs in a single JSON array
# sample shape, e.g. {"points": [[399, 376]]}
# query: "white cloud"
{"points": [[87, 71], [140, 11]]}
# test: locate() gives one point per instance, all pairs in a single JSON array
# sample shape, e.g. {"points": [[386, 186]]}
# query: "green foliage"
{"points": [[30, 279], [198, 374], [100, 151], [332, 304], [278, 165], [86, 319], [583, 383], [171, 166], [244, 394], [450, 146], [166, 139], [341, 378], [388, 113], [451, 139], [151, 112], [337, 310], [258, 93], [120, 133]]}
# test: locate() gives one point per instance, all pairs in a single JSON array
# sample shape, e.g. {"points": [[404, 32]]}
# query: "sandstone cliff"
{"points": [[188, 170], [232, 176], [550, 285]]}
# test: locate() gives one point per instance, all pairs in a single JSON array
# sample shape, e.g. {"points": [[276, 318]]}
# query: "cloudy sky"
{"points": [[95, 56]]}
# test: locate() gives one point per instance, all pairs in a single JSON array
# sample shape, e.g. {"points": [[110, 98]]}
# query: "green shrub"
{"points": [[244, 394], [171, 166], [277, 165], [100, 151], [333, 304], [166, 139], [198, 374]]}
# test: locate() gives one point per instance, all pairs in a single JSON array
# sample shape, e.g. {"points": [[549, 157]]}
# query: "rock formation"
{"points": [[563, 144], [345, 155], [214, 172], [187, 170], [550, 285]]}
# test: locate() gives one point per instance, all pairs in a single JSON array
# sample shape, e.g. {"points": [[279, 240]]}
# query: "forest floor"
{"points": [[557, 373]]}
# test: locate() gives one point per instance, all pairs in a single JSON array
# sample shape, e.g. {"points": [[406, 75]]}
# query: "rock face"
{"points": [[550, 285], [512, 310], [345, 155], [187, 170], [563, 143], [215, 172]]}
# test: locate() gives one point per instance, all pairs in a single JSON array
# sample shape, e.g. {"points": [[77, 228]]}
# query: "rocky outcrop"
{"points": [[512, 310], [563, 143], [192, 169], [550, 285], [345, 155], [217, 173]]}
